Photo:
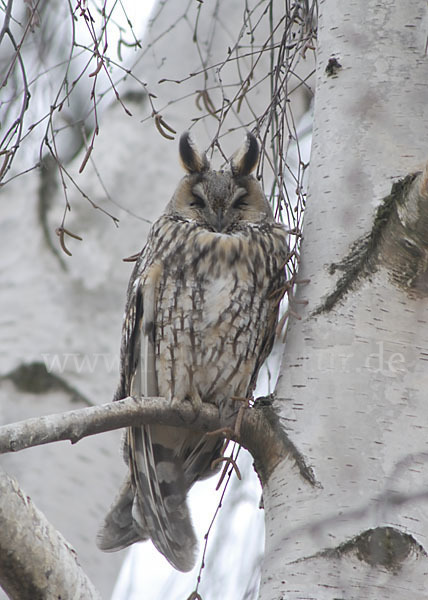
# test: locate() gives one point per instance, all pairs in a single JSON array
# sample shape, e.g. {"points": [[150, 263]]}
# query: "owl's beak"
{"points": [[220, 221]]}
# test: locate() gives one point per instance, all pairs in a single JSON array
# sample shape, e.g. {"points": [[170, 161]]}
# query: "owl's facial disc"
{"points": [[221, 201], [221, 208]]}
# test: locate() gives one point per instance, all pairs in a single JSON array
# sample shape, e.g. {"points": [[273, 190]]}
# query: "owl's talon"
{"points": [[234, 432], [196, 401], [245, 404], [174, 402]]}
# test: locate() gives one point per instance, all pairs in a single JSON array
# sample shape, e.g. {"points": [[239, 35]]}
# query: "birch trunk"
{"points": [[352, 391]]}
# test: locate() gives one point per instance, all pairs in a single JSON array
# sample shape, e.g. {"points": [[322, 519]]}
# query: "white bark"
{"points": [[53, 571], [352, 391]]}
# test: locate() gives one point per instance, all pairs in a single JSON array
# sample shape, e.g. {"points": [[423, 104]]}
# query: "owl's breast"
{"points": [[212, 314]]}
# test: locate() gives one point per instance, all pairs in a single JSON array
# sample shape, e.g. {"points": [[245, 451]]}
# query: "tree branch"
{"points": [[259, 431], [53, 571]]}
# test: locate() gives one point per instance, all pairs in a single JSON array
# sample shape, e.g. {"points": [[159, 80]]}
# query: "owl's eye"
{"points": [[240, 202], [197, 202]]}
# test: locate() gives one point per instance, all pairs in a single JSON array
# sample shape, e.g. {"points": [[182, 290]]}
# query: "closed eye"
{"points": [[240, 202], [197, 202], [239, 198]]}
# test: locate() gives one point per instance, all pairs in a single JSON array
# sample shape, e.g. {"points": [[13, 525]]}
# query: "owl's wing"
{"points": [[117, 531], [274, 294], [151, 502]]}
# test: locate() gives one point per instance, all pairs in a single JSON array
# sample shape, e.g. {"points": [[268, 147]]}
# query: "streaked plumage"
{"points": [[200, 320]]}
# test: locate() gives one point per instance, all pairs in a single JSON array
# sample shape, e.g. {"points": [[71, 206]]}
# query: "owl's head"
{"points": [[221, 201]]}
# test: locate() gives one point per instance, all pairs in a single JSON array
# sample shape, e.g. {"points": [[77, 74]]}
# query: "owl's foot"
{"points": [[233, 433], [174, 401], [245, 403], [229, 434], [196, 400]]}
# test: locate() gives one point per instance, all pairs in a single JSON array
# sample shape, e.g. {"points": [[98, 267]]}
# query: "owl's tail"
{"points": [[117, 531], [164, 463]]}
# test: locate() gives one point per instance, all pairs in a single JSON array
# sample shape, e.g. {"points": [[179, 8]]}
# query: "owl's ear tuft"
{"points": [[246, 158], [192, 159]]}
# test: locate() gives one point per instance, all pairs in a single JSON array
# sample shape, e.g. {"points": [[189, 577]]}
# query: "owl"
{"points": [[200, 320]]}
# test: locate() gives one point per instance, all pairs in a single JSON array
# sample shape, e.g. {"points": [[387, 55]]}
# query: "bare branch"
{"points": [[260, 432], [53, 571], [6, 22]]}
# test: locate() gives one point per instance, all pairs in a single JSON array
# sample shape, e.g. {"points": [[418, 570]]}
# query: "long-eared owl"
{"points": [[200, 319]]}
